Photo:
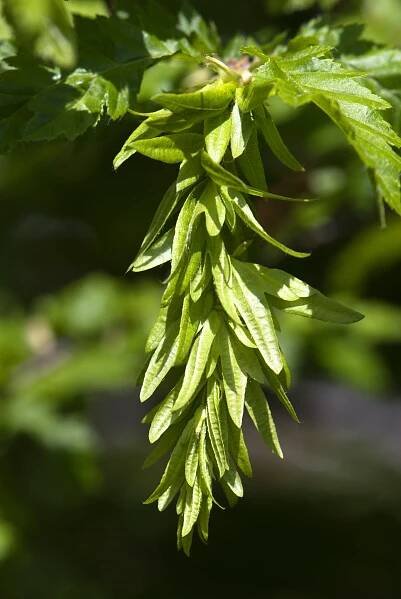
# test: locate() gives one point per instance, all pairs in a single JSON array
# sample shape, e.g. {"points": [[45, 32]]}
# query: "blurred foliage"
{"points": [[71, 343]]}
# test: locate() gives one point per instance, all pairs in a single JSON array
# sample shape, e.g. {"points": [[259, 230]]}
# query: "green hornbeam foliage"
{"points": [[214, 346]]}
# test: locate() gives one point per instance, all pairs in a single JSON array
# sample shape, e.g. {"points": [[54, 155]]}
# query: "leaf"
{"points": [[234, 380], [200, 281], [175, 467], [242, 334], [43, 104], [45, 27], [164, 416], [220, 175], [165, 444], [214, 209], [173, 122], [183, 229], [160, 364], [197, 361], [233, 481], [259, 411], [224, 178], [190, 173], [155, 255], [253, 94], [204, 471], [248, 361], [239, 451], [191, 463], [257, 316], [320, 307], [276, 384], [241, 131], [189, 324], [219, 259], [217, 135], [192, 508], [281, 284], [378, 63], [168, 316], [367, 131], [245, 213], [164, 210], [251, 163], [204, 516], [191, 460], [303, 76], [168, 496], [171, 149], [143, 131], [214, 425], [274, 140], [212, 97]]}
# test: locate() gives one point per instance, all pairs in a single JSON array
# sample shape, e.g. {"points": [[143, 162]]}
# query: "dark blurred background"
{"points": [[325, 523]]}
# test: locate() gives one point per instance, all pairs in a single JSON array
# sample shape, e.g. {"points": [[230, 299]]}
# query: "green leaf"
{"points": [[212, 97], [276, 384], [200, 281], [164, 416], [214, 425], [259, 411], [192, 508], [191, 463], [204, 516], [197, 361], [143, 131], [164, 210], [224, 178], [160, 364], [281, 284], [256, 314], [190, 173], [164, 445], [253, 94], [233, 481], [214, 209], [234, 379], [204, 469], [239, 451], [171, 149], [155, 255], [189, 324], [184, 228], [168, 496], [172, 122], [219, 260], [42, 104], [191, 460], [321, 308], [251, 163], [174, 470], [217, 135], [45, 28], [168, 315], [220, 175], [242, 334], [313, 76], [378, 63], [274, 140], [248, 361], [245, 213], [241, 130]]}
